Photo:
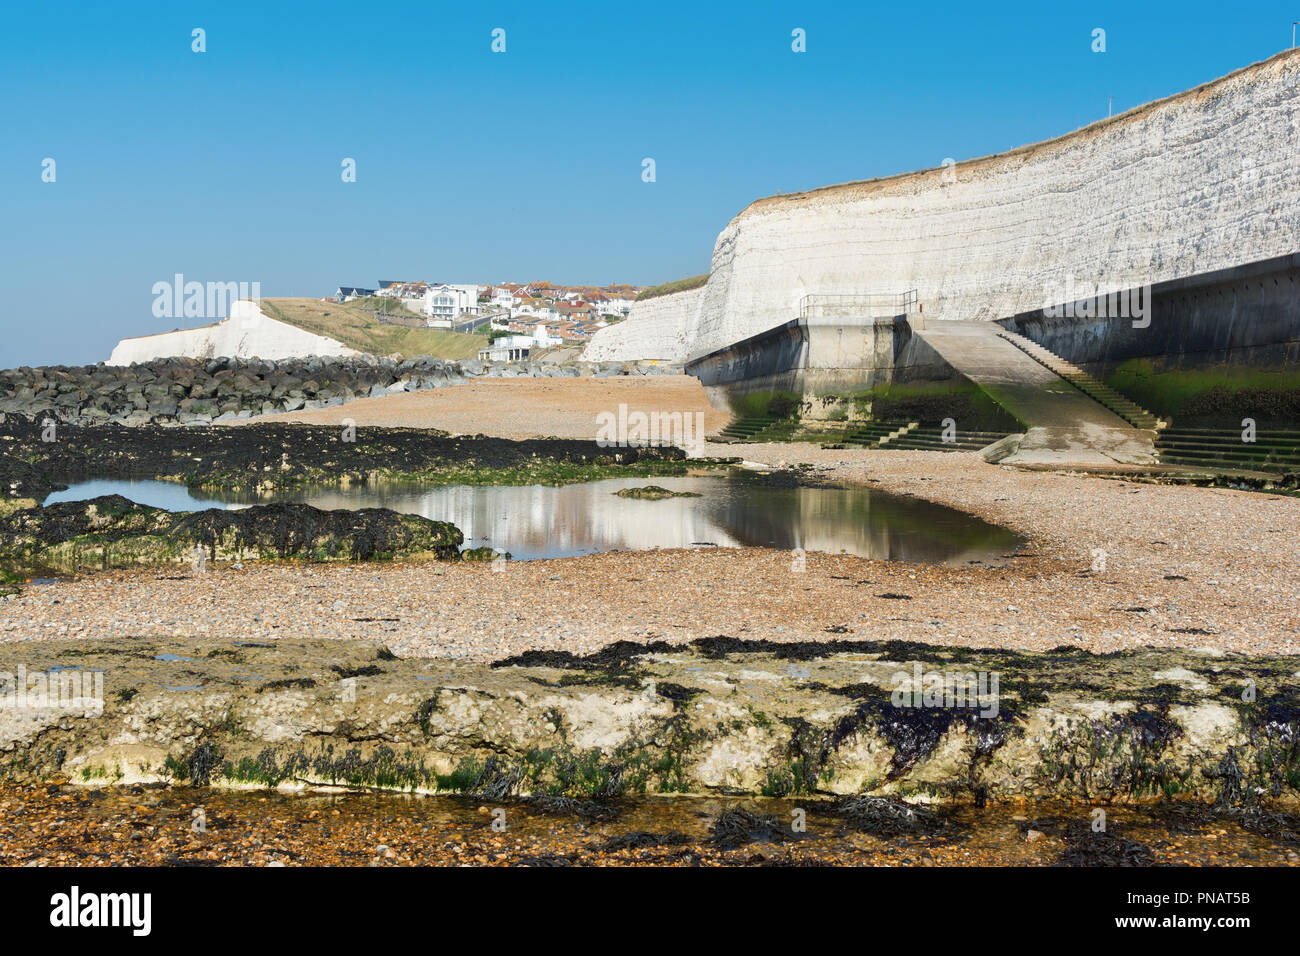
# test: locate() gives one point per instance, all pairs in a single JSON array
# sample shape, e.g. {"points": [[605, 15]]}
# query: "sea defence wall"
{"points": [[247, 333], [1201, 181], [1246, 316]]}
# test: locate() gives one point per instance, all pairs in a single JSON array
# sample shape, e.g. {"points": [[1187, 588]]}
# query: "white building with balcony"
{"points": [[448, 303]]}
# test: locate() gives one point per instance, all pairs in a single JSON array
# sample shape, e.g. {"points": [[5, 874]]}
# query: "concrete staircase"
{"points": [[1274, 451], [930, 438], [1069, 421], [877, 434], [763, 428], [1130, 411], [744, 429]]}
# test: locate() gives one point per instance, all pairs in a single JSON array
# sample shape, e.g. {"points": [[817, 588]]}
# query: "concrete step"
{"points": [[1229, 465], [1232, 437], [1221, 449], [742, 429], [1235, 448], [1289, 462], [873, 434], [1285, 433]]}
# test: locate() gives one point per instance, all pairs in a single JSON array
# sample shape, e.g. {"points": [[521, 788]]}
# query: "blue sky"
{"points": [[481, 166]]}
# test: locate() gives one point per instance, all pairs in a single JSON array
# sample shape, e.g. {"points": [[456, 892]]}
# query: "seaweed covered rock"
{"points": [[21, 483], [654, 493], [113, 532], [674, 718], [267, 458]]}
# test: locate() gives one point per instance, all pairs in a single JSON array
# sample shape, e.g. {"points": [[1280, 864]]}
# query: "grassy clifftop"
{"points": [[668, 288], [358, 328]]}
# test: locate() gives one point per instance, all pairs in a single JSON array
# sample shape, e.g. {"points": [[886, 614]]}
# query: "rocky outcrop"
{"points": [[112, 532], [1200, 181], [718, 716]]}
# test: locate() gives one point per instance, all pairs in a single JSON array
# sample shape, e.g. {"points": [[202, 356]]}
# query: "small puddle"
{"points": [[156, 494]]}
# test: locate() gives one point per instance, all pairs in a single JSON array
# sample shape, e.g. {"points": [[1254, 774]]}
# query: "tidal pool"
{"points": [[157, 494], [543, 521]]}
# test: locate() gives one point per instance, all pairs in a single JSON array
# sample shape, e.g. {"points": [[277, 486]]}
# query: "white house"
{"points": [[541, 312], [503, 298], [612, 306], [507, 348], [542, 337], [450, 302]]}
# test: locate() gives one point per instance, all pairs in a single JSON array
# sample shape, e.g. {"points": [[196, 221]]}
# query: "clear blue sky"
{"points": [[475, 166]]}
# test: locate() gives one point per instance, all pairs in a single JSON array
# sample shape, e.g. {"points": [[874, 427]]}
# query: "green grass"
{"points": [[668, 288], [382, 303], [357, 328]]}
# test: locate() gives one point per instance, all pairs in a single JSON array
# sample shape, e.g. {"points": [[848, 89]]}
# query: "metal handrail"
{"points": [[898, 304]]}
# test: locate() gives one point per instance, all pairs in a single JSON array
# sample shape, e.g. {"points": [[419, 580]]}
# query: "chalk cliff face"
{"points": [[1206, 179], [248, 333], [657, 328]]}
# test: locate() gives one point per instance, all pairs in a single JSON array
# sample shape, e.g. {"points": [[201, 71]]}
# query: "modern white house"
{"points": [[507, 348], [613, 306], [543, 338], [516, 348], [504, 298], [541, 312], [450, 302]]}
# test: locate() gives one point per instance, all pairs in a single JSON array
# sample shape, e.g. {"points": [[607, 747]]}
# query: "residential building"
{"points": [[450, 302], [507, 348]]}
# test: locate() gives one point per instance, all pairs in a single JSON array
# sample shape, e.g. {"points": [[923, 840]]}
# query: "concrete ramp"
{"points": [[1064, 426]]}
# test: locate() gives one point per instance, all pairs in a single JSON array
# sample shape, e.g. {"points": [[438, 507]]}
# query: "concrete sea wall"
{"points": [[1246, 316], [819, 357], [1200, 181]]}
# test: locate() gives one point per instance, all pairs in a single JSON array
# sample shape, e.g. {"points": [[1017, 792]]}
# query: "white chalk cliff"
{"points": [[1203, 180], [247, 333]]}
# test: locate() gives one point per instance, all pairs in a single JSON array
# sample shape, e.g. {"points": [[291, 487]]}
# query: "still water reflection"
{"points": [[537, 521]]}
